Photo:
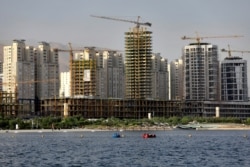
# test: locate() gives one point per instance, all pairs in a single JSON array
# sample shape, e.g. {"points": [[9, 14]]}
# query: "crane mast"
{"points": [[72, 77]]}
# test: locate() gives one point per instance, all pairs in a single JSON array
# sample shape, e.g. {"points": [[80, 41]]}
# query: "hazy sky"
{"points": [[66, 21]]}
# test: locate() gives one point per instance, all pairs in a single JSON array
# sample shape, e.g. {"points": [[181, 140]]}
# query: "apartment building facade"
{"points": [[112, 83], [160, 77], [177, 79], [1, 75], [30, 72], [19, 70], [234, 79], [201, 71], [47, 71], [97, 74]]}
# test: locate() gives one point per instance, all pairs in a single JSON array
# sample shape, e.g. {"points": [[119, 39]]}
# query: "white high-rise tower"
{"points": [[201, 71]]}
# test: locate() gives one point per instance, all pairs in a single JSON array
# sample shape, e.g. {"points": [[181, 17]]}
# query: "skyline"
{"points": [[63, 21]]}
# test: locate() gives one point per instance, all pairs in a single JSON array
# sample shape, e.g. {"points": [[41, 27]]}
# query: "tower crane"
{"points": [[72, 78], [229, 51], [138, 23], [199, 38], [70, 51]]}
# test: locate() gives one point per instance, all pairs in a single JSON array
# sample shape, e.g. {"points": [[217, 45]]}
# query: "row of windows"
{"points": [[200, 49]]}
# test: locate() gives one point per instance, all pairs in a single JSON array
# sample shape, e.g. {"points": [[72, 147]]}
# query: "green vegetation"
{"points": [[80, 122]]}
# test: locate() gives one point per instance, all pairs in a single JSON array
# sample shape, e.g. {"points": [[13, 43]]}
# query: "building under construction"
{"points": [[138, 53], [83, 74], [97, 73], [138, 50], [137, 109], [106, 108], [10, 106]]}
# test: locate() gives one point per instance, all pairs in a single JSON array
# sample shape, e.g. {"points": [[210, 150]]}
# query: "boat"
{"points": [[148, 135], [186, 127], [190, 126], [116, 135]]}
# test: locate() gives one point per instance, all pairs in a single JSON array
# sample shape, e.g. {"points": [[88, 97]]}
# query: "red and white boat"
{"points": [[148, 135]]}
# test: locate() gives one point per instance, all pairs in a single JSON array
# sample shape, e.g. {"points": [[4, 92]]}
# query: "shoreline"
{"points": [[122, 129], [83, 130]]}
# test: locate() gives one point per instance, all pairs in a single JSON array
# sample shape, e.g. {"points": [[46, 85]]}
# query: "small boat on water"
{"points": [[186, 127], [190, 126], [148, 135], [116, 135]]}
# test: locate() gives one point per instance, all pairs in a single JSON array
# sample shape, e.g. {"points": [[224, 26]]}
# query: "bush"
{"points": [[4, 124], [247, 121], [186, 120]]}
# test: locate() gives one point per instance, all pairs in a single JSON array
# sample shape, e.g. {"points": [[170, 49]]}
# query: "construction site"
{"points": [[137, 109], [119, 108], [138, 63], [85, 98], [10, 106]]}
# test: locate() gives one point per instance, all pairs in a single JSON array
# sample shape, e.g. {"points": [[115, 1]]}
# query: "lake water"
{"points": [[169, 148]]}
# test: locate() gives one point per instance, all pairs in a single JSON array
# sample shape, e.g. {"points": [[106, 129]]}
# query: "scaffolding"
{"points": [[120, 108], [138, 48], [10, 106], [106, 108], [84, 76]]}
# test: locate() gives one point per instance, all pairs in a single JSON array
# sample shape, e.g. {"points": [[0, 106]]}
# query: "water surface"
{"points": [[169, 148]]}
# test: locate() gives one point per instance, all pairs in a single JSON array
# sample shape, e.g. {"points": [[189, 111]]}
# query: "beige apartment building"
{"points": [[19, 70], [30, 72]]}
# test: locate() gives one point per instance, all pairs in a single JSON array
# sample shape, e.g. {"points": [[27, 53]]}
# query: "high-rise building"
{"points": [[138, 62], [177, 79], [234, 79], [47, 71], [1, 75], [19, 70], [159, 77], [201, 72], [1, 67], [83, 71], [64, 84], [112, 75], [98, 74]]}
